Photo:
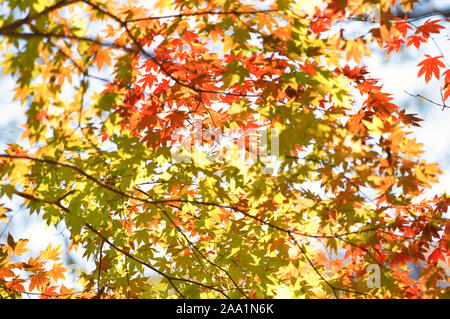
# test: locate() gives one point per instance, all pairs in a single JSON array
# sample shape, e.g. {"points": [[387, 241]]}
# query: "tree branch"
{"points": [[125, 253], [444, 106], [11, 27]]}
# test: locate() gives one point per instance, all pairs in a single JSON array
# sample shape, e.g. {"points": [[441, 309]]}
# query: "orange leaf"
{"points": [[17, 248], [20, 247], [57, 272], [66, 293], [48, 292], [431, 66], [38, 280], [16, 284], [34, 265]]}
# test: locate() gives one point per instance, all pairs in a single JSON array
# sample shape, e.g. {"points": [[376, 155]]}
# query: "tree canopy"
{"points": [[113, 90]]}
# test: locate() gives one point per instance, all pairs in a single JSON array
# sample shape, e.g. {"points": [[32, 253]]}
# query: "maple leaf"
{"points": [[51, 253], [16, 284], [48, 292], [17, 248], [417, 40], [430, 27], [5, 273], [57, 272], [431, 66], [34, 265], [356, 49], [66, 293], [403, 27], [102, 56], [436, 255], [411, 119], [38, 280]]}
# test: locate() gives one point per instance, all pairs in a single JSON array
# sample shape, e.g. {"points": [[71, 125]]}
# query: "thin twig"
{"points": [[444, 106]]}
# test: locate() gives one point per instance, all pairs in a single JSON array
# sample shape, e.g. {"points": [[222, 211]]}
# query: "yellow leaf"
{"points": [[3, 210], [51, 253], [57, 272], [40, 5], [375, 126], [163, 5], [283, 292]]}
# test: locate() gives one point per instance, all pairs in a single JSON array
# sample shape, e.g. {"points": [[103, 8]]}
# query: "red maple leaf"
{"points": [[430, 27], [430, 66], [417, 40]]}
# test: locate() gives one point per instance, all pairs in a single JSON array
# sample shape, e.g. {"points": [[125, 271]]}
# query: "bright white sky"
{"points": [[398, 74]]}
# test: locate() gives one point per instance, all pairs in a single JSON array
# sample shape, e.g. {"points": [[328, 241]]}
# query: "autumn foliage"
{"points": [[106, 84]]}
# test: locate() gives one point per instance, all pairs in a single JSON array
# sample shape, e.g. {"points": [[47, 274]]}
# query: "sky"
{"points": [[398, 74]]}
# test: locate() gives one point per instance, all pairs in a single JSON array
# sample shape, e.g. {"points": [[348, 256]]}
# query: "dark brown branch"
{"points": [[27, 35], [75, 168], [99, 269], [11, 27], [65, 195]]}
